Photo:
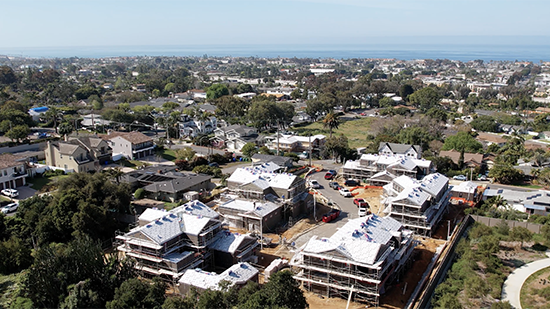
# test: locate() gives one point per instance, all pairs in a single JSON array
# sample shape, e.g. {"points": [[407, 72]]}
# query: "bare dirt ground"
{"points": [[372, 196], [538, 281]]}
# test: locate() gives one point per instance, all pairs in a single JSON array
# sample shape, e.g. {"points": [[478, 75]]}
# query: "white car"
{"points": [[10, 192], [345, 192], [314, 184], [10, 208], [362, 211]]}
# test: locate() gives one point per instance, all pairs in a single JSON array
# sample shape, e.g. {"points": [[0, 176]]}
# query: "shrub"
{"points": [[139, 194], [53, 173]]}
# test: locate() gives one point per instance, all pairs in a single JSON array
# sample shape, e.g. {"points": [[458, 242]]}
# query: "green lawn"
{"points": [[4, 199], [38, 183], [169, 155], [355, 130]]}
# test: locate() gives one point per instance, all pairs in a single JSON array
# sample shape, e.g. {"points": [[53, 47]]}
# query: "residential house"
{"points": [[418, 205], [13, 171], [489, 139], [80, 154], [531, 202], [234, 137], [283, 162], [359, 261], [133, 145], [165, 183], [295, 143], [237, 275], [388, 149], [92, 120], [470, 159], [465, 193], [192, 127]]}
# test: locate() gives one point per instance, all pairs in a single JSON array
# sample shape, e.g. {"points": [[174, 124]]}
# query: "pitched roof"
{"points": [[10, 160], [468, 157], [179, 182], [133, 137], [400, 148], [239, 273]]}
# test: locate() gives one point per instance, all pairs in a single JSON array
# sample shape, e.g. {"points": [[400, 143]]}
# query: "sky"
{"points": [[65, 23]]}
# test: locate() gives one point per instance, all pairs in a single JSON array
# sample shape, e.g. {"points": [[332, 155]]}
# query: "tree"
{"points": [[185, 153], [18, 132], [505, 173], [135, 293], [437, 113], [331, 122], [485, 124], [405, 91], [519, 233], [283, 291], [66, 128], [54, 115], [139, 194], [216, 91], [265, 151], [231, 107], [425, 98], [462, 141], [249, 149]]}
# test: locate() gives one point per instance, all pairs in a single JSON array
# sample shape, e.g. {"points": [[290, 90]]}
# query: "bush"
{"points": [[53, 173], [139, 194], [208, 170]]}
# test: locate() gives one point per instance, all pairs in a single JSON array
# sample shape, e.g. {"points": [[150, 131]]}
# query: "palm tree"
{"points": [[331, 122], [54, 115]]}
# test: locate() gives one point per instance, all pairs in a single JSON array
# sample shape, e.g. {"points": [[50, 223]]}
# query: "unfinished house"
{"points": [[370, 167], [259, 183], [418, 205], [363, 257], [166, 243], [171, 244], [260, 216], [237, 275]]}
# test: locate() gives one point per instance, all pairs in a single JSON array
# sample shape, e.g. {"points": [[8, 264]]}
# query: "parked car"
{"points": [[314, 184], [351, 183], [338, 187], [362, 211], [333, 184], [10, 208], [460, 177], [330, 174], [214, 164], [10, 192], [345, 192], [482, 177], [359, 202], [332, 215]]}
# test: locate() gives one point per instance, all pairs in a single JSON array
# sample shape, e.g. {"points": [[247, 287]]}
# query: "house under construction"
{"points": [[362, 258]]}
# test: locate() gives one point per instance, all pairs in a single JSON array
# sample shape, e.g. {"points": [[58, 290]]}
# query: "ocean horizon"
{"points": [[462, 52]]}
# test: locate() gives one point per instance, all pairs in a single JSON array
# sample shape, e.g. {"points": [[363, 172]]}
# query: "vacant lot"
{"points": [[355, 130]]}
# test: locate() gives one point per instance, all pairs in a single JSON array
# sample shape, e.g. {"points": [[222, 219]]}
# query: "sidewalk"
{"points": [[512, 286]]}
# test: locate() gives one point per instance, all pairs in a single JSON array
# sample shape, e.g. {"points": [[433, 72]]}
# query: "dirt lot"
{"points": [[372, 196], [538, 281]]}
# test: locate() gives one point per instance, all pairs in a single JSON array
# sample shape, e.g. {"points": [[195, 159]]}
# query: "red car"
{"points": [[359, 202], [329, 175], [332, 215]]}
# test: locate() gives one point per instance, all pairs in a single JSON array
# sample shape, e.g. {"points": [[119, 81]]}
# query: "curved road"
{"points": [[512, 286]]}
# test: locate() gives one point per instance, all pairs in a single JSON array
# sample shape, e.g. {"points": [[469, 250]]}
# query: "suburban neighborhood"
{"points": [[345, 182]]}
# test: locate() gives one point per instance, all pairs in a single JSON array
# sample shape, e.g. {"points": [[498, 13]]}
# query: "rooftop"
{"points": [[239, 273]]}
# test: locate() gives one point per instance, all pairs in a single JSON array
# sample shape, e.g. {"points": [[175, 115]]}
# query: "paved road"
{"points": [[512, 286]]}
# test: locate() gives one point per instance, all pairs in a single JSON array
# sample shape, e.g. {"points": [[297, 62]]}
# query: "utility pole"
{"points": [[314, 206], [277, 137], [309, 149]]}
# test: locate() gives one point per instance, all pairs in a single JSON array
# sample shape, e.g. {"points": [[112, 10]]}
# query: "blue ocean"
{"points": [[462, 52]]}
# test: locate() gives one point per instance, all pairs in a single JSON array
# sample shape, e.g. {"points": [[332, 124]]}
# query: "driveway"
{"points": [[512, 286], [25, 192]]}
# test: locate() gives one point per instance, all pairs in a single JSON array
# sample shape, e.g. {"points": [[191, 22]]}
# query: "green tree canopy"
{"points": [[485, 124], [216, 91], [249, 149], [425, 98], [462, 141]]}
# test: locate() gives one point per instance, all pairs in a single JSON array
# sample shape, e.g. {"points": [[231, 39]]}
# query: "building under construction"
{"points": [[362, 258], [190, 236]]}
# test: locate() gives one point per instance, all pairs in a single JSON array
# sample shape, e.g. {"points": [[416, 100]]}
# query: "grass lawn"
{"points": [[131, 163], [169, 155], [4, 199], [169, 206], [38, 183], [355, 130], [526, 294]]}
